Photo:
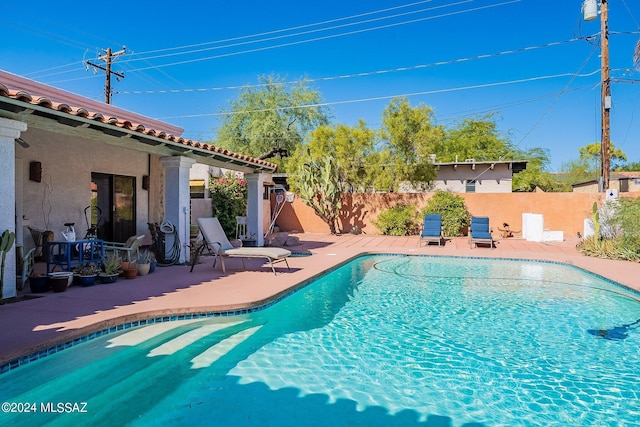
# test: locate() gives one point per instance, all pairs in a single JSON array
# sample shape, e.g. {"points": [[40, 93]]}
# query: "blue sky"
{"points": [[524, 60]]}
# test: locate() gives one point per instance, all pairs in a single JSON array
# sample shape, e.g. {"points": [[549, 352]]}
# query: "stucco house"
{"points": [[471, 176], [60, 151], [623, 182]]}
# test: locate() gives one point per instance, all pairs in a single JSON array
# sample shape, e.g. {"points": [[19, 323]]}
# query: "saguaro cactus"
{"points": [[6, 243]]}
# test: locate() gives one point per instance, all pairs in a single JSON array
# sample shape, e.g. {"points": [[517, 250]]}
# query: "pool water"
{"points": [[380, 341]]}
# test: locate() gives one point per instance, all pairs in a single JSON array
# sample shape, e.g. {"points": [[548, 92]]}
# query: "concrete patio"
{"points": [[32, 325]]}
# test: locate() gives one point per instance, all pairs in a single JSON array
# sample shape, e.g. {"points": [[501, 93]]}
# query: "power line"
{"points": [[294, 43], [379, 98], [350, 24], [361, 74]]}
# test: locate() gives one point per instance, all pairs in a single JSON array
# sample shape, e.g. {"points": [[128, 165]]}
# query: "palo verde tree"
{"points": [[408, 136], [476, 139], [271, 119]]}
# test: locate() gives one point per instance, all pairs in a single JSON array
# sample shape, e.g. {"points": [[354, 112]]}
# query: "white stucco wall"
{"points": [[496, 180], [67, 164]]}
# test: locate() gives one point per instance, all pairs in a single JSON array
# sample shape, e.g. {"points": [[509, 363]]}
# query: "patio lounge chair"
{"points": [[432, 229], [127, 250], [216, 240], [479, 232]]}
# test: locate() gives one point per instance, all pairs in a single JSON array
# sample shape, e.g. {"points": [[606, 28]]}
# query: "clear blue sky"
{"points": [[184, 59]]}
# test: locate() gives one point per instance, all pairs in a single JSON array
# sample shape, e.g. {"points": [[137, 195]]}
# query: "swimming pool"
{"points": [[383, 340]]}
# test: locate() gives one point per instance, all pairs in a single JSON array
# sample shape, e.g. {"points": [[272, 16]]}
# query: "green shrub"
{"points": [[228, 200], [397, 221], [455, 215]]}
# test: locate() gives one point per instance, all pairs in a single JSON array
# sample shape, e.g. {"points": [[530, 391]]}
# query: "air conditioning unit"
{"points": [[470, 160]]}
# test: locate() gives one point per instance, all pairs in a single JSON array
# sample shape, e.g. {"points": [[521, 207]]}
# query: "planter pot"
{"points": [[124, 266], [108, 278], [152, 266], [130, 273], [143, 269], [60, 281], [87, 280], [39, 284]]}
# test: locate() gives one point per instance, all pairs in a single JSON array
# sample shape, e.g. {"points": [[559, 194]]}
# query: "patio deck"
{"points": [[53, 318]]}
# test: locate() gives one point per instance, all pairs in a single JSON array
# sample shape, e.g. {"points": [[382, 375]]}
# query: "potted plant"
{"points": [[110, 269], [87, 274], [39, 283], [152, 262], [144, 261], [60, 281], [130, 271]]}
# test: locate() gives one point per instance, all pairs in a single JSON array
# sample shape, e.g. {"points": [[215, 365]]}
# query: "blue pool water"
{"points": [[380, 341]]}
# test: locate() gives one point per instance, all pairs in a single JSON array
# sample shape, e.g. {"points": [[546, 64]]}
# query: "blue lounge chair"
{"points": [[479, 232], [432, 229]]}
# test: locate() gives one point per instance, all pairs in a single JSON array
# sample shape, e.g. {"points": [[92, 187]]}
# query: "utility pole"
{"points": [[108, 57], [590, 9], [606, 95]]}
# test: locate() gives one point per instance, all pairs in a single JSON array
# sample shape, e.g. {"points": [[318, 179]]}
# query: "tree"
{"points": [[348, 146], [270, 119], [536, 174], [316, 183], [474, 139], [593, 153], [408, 136]]}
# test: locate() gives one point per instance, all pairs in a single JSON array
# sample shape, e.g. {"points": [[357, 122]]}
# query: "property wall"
{"points": [[562, 211], [67, 164]]}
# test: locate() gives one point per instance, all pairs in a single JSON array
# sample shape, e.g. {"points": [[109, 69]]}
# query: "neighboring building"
{"points": [[477, 177], [624, 182], [62, 153]]}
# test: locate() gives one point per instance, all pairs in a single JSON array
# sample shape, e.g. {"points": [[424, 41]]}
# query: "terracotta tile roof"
{"points": [[109, 115]]}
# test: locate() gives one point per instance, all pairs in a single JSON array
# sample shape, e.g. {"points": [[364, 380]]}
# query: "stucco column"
{"points": [[255, 205], [9, 131], [176, 203]]}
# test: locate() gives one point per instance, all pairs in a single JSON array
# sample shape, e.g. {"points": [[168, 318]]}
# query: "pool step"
{"points": [[140, 335], [132, 370], [215, 352], [188, 338]]}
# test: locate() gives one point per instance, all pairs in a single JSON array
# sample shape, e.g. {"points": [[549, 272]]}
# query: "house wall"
{"points": [[67, 164], [562, 211], [496, 180]]}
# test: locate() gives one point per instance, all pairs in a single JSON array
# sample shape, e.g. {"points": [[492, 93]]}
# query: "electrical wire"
{"points": [[378, 98], [365, 73]]}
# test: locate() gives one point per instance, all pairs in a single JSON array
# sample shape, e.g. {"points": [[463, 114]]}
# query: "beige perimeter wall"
{"points": [[562, 211]]}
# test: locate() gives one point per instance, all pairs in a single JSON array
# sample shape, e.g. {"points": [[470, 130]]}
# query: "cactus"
{"points": [[6, 243], [320, 189], [596, 221]]}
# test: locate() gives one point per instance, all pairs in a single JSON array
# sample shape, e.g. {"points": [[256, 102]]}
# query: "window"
{"points": [[471, 186]]}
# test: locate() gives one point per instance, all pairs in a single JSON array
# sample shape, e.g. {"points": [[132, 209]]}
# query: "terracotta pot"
{"points": [[131, 273]]}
